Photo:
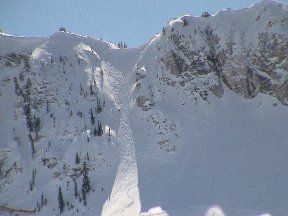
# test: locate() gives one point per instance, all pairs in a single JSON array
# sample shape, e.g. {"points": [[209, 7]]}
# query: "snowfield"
{"points": [[192, 123]]}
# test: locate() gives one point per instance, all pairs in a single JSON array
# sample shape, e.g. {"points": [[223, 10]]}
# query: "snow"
{"points": [[124, 198], [221, 157]]}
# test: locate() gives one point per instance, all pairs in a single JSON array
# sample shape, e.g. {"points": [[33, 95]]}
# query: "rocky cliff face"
{"points": [[245, 51]]}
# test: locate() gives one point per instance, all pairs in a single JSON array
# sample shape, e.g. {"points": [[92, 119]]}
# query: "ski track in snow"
{"points": [[124, 199]]}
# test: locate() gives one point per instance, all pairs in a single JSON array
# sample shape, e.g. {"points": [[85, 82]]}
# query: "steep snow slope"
{"points": [[124, 198], [63, 82], [212, 135], [192, 123]]}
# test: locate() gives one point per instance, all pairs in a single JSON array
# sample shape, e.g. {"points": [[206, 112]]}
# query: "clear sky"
{"points": [[130, 21]]}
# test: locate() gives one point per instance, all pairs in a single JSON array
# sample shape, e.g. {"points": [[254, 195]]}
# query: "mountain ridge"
{"points": [[191, 123]]}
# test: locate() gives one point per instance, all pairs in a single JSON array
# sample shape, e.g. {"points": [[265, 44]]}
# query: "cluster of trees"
{"points": [[77, 158], [100, 106], [92, 91], [43, 202], [62, 29], [163, 30], [24, 90], [122, 45], [185, 22], [33, 123], [205, 14], [85, 189], [98, 109], [85, 183], [98, 131]]}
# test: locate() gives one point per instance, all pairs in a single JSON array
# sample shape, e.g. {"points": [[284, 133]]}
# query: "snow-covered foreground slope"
{"points": [[192, 123]]}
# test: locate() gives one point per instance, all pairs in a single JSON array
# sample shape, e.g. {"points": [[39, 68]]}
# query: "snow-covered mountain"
{"points": [[191, 123]]}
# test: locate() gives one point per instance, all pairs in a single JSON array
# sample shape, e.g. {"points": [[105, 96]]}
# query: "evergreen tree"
{"points": [[81, 88], [60, 200], [109, 134], [84, 196], [16, 86], [28, 84], [91, 89], [42, 200], [33, 176], [32, 145], [99, 107], [95, 131], [75, 189], [100, 129], [77, 159], [85, 181], [30, 186], [27, 112], [92, 117], [47, 107], [38, 207], [36, 125]]}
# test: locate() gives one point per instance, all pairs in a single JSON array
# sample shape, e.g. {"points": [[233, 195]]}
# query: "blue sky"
{"points": [[130, 21]]}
